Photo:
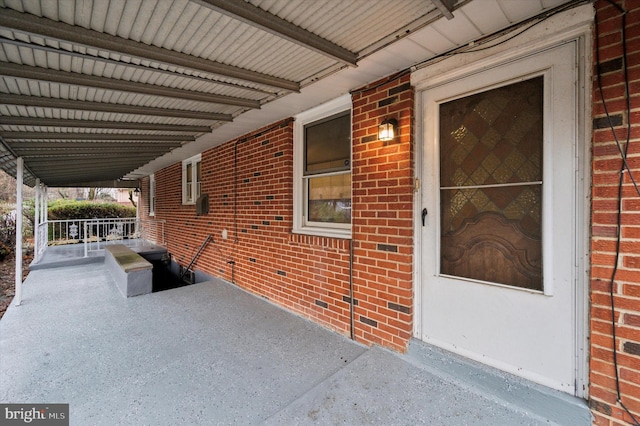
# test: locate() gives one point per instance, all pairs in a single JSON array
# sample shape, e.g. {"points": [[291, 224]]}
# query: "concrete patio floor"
{"points": [[212, 354]]}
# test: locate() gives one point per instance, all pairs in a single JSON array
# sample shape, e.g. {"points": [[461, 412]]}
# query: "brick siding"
{"points": [[383, 183], [606, 172], [306, 274]]}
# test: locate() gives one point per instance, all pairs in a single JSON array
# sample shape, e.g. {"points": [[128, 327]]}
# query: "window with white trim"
{"points": [[322, 170], [152, 195], [191, 179]]}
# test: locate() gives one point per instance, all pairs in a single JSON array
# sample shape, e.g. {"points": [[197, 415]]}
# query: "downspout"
{"points": [[36, 223], [351, 302], [45, 215], [138, 203], [18, 252], [43, 231]]}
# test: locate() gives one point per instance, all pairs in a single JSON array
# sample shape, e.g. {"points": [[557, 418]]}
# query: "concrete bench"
{"points": [[131, 272]]}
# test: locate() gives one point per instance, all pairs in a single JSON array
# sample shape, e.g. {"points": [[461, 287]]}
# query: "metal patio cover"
{"points": [[92, 90]]}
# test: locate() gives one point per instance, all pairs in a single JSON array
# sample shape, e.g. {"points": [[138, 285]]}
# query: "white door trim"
{"points": [[571, 26]]}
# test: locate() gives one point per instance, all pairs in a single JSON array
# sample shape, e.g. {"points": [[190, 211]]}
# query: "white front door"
{"points": [[499, 236]]}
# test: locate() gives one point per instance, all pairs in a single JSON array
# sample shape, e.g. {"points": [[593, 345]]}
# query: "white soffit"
{"points": [[474, 20]]}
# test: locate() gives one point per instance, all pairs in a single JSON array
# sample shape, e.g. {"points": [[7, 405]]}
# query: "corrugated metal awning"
{"points": [[91, 90]]}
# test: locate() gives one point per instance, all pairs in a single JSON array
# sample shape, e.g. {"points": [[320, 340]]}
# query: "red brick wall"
{"points": [[383, 183], [308, 275], [143, 198], [607, 164]]}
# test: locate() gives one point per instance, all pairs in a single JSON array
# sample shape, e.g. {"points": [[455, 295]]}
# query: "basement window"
{"points": [[322, 183], [152, 195], [191, 179]]}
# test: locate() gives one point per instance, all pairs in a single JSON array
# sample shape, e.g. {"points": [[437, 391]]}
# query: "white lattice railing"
{"points": [[95, 233]]}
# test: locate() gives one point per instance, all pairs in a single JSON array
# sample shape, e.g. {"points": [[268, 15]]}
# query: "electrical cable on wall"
{"points": [[387, 80], [624, 169], [230, 259], [480, 44], [471, 48]]}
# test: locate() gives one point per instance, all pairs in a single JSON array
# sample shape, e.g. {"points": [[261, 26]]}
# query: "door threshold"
{"points": [[533, 400]]}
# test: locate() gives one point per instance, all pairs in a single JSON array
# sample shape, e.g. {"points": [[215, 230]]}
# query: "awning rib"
{"points": [[44, 27], [254, 16], [42, 74], [445, 7], [35, 101], [99, 124], [89, 146], [95, 137]]}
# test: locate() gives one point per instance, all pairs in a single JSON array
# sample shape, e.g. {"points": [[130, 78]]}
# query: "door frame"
{"points": [[573, 26]]}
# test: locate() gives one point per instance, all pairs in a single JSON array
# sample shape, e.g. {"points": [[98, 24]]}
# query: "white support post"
{"points": [[36, 222], [45, 208], [86, 239], [44, 205], [18, 253]]}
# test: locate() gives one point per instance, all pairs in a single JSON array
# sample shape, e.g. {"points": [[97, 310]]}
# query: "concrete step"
{"points": [[538, 402]]}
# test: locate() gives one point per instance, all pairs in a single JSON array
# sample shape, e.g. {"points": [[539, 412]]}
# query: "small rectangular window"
{"points": [[191, 179], [198, 181], [327, 169], [322, 155]]}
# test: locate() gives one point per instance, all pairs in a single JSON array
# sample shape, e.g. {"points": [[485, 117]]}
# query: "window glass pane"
{"points": [[198, 178], [328, 145], [152, 196], [189, 182], [491, 185], [189, 172], [330, 198], [493, 137]]}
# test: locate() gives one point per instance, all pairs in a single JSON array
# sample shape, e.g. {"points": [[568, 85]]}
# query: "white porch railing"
{"points": [[107, 231], [42, 240], [152, 230], [61, 232], [95, 233]]}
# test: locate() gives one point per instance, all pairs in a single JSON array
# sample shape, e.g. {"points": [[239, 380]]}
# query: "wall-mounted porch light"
{"points": [[136, 191], [388, 129]]}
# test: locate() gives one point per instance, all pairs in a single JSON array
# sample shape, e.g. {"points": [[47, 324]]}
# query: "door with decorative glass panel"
{"points": [[498, 231]]}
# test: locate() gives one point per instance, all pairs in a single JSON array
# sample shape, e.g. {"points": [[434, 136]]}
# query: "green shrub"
{"points": [[7, 232], [71, 209], [28, 217]]}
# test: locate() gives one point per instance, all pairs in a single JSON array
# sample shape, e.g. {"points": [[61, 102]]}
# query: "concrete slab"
{"points": [[537, 401], [73, 254], [131, 272], [211, 353], [380, 388]]}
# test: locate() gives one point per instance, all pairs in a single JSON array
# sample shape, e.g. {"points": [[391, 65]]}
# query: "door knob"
{"points": [[424, 215]]}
